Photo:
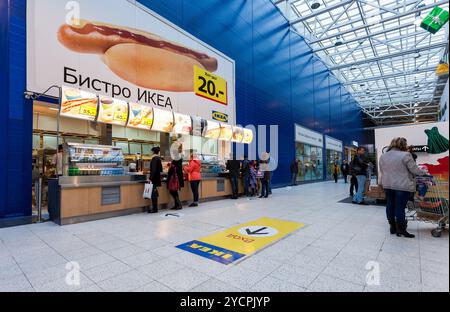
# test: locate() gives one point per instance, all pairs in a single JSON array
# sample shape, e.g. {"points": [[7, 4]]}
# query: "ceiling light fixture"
{"points": [[417, 55]]}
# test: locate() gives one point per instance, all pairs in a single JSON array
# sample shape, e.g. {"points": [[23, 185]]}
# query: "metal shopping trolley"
{"points": [[430, 202]]}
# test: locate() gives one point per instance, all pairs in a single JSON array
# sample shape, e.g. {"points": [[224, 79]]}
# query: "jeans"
{"points": [[234, 185], [246, 178], [396, 205], [359, 197], [265, 188], [294, 178], [194, 188]]}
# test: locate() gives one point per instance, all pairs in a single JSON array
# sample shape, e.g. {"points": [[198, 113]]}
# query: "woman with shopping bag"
{"points": [[155, 178]]}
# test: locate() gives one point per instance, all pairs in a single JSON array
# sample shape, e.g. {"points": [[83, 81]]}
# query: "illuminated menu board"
{"points": [[248, 136], [183, 124], [226, 132], [162, 120], [78, 104], [113, 111], [141, 116], [238, 134], [211, 130]]}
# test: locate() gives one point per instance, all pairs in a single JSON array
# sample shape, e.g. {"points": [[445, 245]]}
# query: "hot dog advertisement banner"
{"points": [[124, 51]]}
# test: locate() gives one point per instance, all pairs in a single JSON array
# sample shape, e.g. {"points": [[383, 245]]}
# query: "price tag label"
{"points": [[147, 122], [120, 116], [88, 110], [210, 86]]}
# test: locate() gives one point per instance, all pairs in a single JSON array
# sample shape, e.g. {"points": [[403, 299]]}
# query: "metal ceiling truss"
{"points": [[376, 49]]}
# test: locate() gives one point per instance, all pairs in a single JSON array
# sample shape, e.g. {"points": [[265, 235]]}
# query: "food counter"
{"points": [[96, 186], [80, 199]]}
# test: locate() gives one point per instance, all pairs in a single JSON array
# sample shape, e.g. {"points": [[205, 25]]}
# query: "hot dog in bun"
{"points": [[142, 58]]}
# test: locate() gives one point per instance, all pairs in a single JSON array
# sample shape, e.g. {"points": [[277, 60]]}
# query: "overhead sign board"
{"points": [[305, 135], [333, 144]]}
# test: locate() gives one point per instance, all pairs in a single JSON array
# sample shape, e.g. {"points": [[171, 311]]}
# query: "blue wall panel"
{"points": [[278, 82]]}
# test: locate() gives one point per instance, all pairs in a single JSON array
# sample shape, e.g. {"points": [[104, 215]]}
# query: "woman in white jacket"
{"points": [[398, 171]]}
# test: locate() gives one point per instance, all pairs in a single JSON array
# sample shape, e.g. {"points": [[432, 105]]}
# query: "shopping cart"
{"points": [[430, 202]]}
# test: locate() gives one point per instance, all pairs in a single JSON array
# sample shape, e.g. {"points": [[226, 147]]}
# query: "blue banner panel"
{"points": [[215, 253]]}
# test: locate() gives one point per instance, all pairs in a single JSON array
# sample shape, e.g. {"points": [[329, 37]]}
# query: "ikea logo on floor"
{"points": [[219, 116], [215, 253]]}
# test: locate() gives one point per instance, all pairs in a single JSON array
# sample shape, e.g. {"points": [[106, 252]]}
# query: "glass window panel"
{"points": [[135, 148], [50, 141], [36, 141]]}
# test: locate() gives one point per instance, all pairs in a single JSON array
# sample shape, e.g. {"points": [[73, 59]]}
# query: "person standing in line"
{"points": [[234, 167], [253, 179], [175, 178], [294, 171], [398, 171], [359, 167], [245, 170], [155, 177], [345, 169], [265, 179], [353, 183], [193, 169]]}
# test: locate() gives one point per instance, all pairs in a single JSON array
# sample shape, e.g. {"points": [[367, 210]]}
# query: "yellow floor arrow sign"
{"points": [[241, 240]]}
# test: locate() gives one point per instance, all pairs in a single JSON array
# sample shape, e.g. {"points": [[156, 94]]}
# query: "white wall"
{"points": [[415, 134]]}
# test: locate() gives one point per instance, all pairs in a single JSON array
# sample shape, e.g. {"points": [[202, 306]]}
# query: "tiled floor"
{"points": [[338, 248]]}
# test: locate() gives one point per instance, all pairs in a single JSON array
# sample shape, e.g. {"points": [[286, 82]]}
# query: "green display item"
{"points": [[436, 142], [435, 20]]}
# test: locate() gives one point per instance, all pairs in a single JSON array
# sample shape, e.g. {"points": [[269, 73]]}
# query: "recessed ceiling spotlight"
{"points": [[362, 85], [416, 96], [368, 92], [353, 68], [417, 55], [416, 85], [416, 105], [315, 5]]}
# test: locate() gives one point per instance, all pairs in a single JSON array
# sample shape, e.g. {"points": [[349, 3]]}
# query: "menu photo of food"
{"points": [[113, 111], [141, 116], [226, 132], [162, 120], [248, 136], [79, 104], [183, 124], [211, 130], [238, 135]]}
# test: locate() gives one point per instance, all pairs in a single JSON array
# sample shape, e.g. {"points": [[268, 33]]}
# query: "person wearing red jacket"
{"points": [[194, 176]]}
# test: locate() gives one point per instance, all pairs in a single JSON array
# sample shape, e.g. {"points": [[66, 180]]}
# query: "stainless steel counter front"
{"points": [[90, 181]]}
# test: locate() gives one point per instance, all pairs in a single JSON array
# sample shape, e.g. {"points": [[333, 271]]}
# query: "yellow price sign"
{"points": [[88, 110], [210, 86], [120, 116], [148, 122]]}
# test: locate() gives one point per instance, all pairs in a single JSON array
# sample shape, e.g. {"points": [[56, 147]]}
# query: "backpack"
{"points": [[174, 183]]}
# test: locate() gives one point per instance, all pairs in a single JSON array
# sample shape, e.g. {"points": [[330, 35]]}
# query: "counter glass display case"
{"points": [[93, 160]]}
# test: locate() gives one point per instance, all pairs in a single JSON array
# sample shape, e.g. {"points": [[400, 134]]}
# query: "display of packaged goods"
{"points": [[78, 104], [226, 132], [238, 135], [113, 111], [162, 120], [211, 130], [93, 160], [183, 124], [435, 20], [141, 116]]}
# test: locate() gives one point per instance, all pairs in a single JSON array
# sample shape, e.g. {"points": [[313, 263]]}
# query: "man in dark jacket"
{"points": [[155, 176], [359, 168], [345, 169], [266, 179], [245, 170], [294, 171], [234, 167]]}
